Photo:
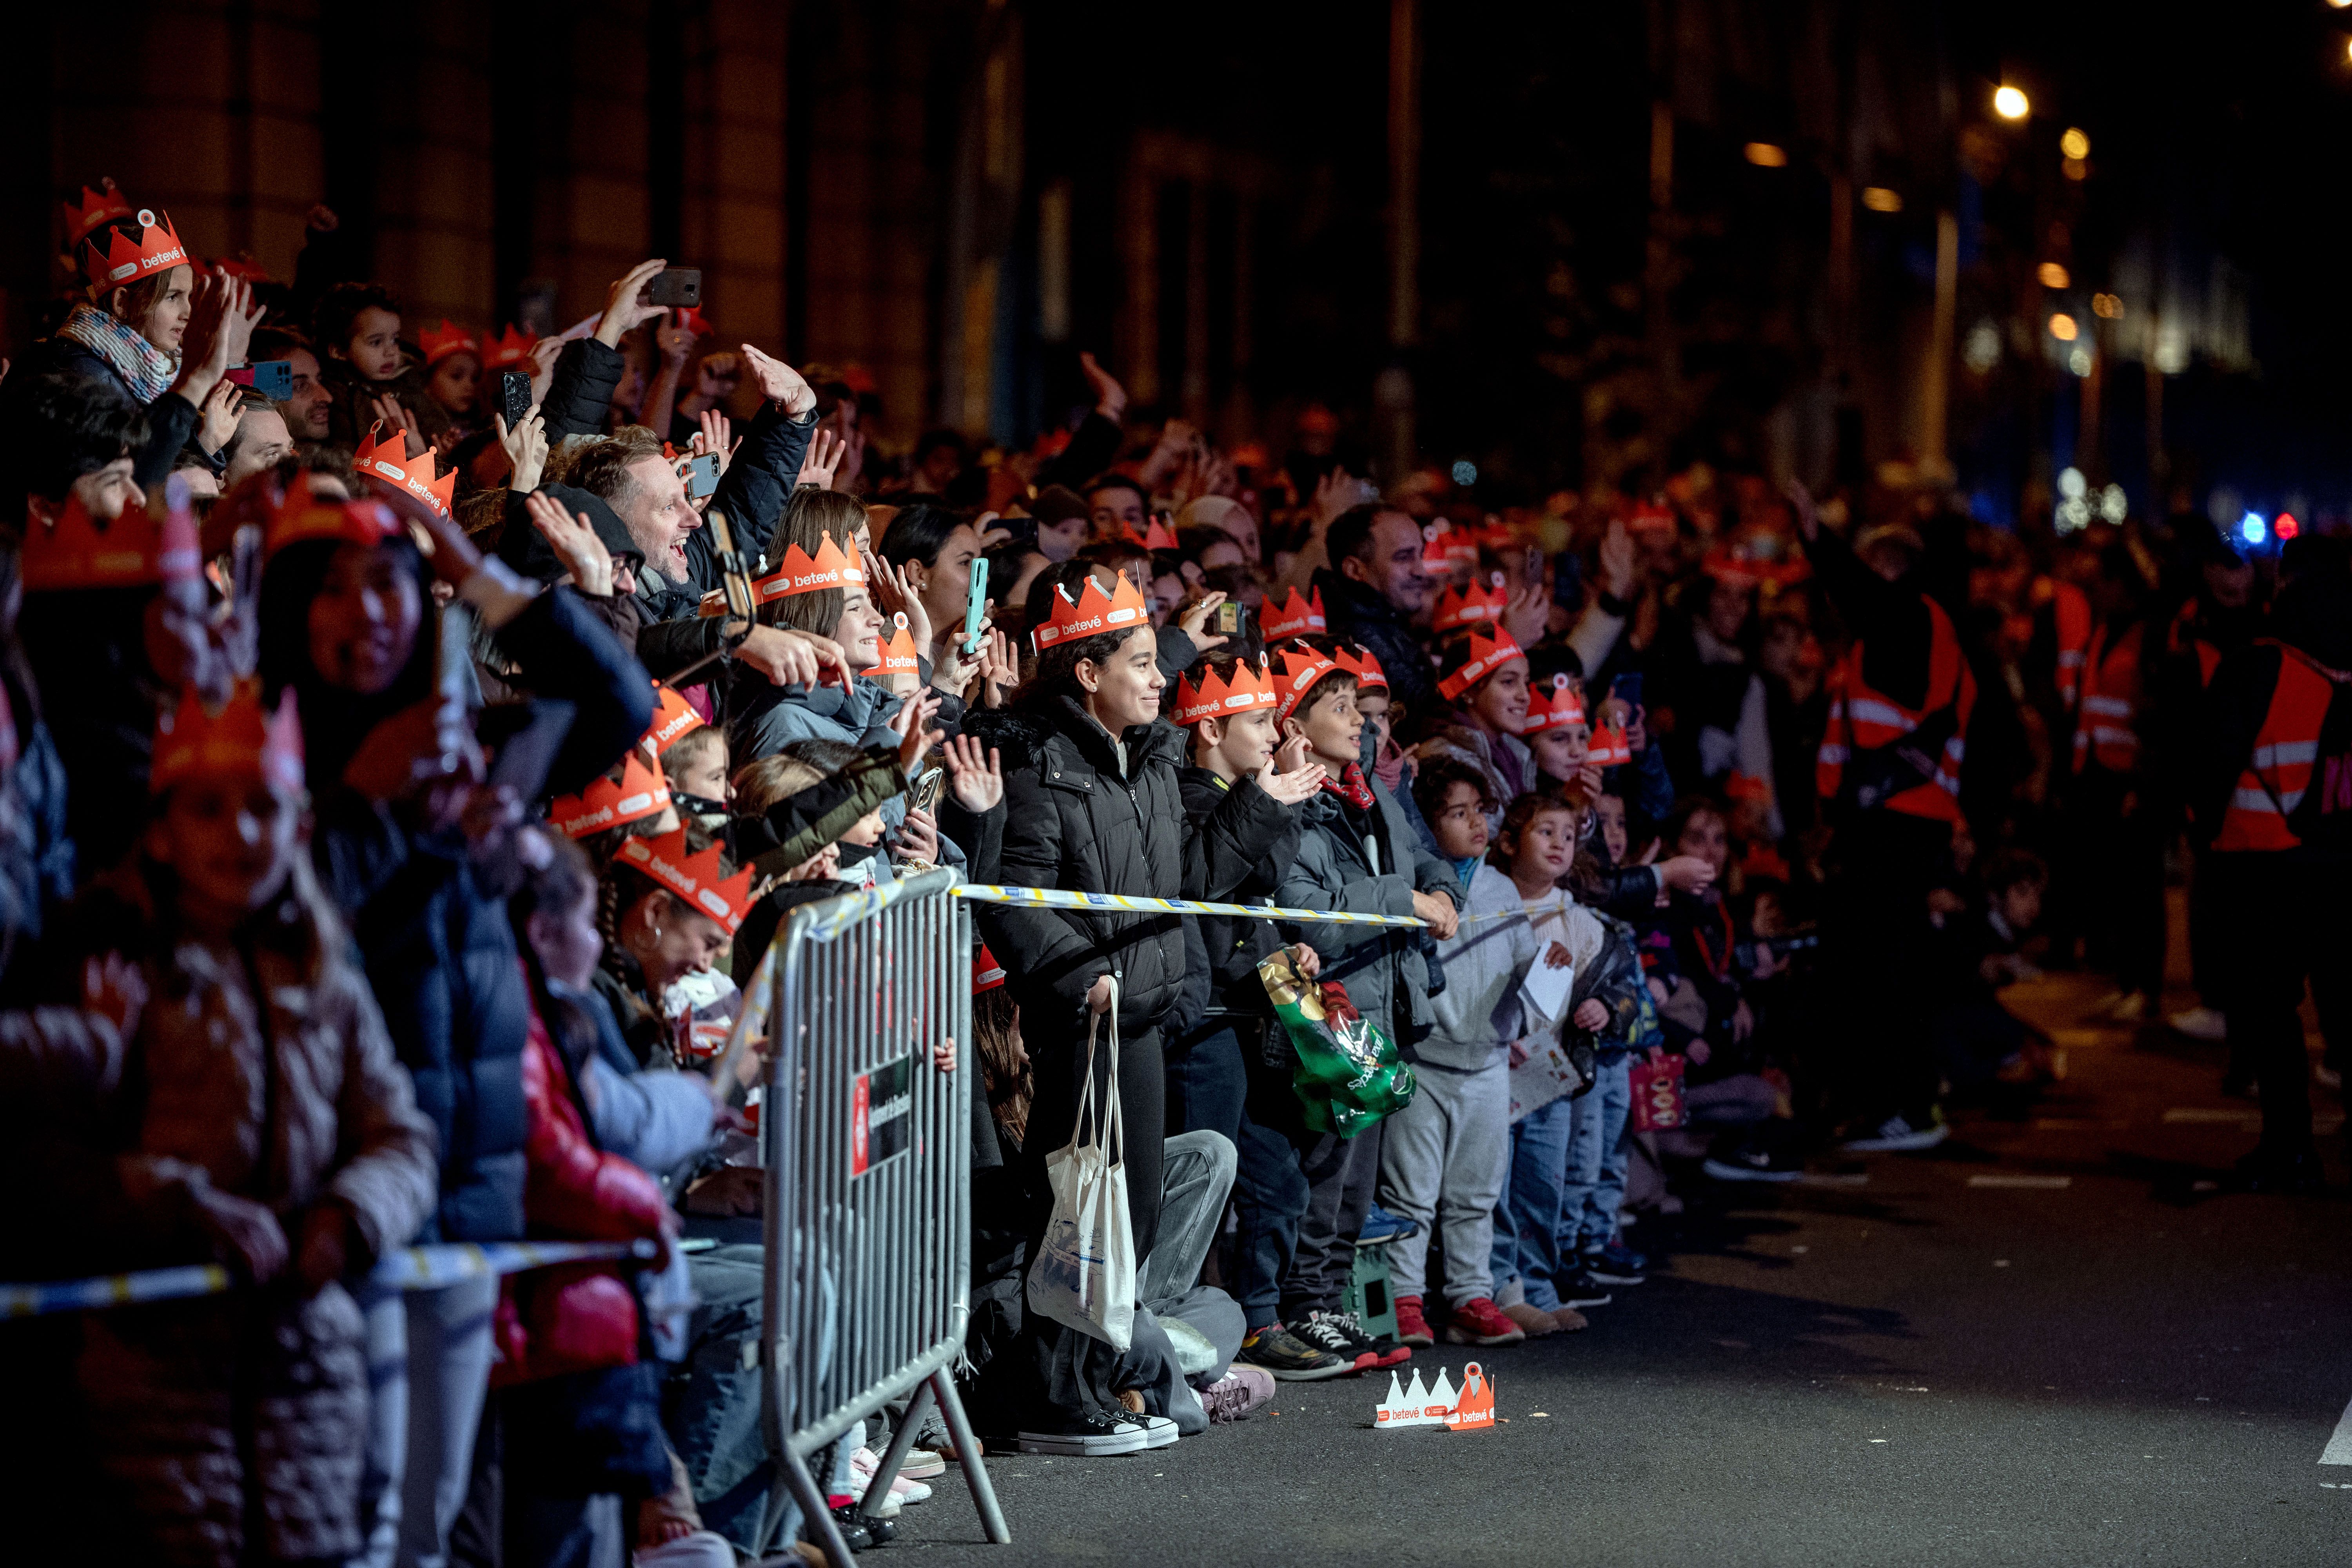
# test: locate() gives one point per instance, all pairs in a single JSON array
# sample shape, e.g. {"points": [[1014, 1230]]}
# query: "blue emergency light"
{"points": [[2253, 529]]}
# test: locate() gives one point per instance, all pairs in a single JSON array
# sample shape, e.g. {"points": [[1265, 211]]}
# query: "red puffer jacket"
{"points": [[573, 1317]]}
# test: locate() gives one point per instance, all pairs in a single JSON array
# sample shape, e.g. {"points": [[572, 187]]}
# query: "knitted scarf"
{"points": [[147, 370], [1350, 787]]}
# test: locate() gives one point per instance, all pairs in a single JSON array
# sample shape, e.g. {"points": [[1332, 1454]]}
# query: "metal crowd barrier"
{"points": [[869, 1200]]}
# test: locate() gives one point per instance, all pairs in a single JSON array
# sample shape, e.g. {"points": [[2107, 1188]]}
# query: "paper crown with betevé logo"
{"points": [[123, 251], [801, 572], [132, 551], [1553, 707], [1093, 613], [1359, 662], [95, 210], [898, 654], [1471, 606], [1293, 616], [696, 880], [673, 717], [1487, 654], [386, 457], [1296, 669], [641, 792], [236, 741], [1217, 697], [1158, 536]]}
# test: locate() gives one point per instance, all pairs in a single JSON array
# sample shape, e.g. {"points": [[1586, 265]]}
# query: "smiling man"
{"points": [[1373, 588], [632, 476]]}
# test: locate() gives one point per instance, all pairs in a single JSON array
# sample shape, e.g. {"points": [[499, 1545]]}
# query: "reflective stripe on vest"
{"points": [[2071, 610], [2107, 725], [1863, 719], [2279, 770]]}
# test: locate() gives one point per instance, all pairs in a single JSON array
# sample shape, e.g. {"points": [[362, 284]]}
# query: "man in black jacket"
{"points": [[1372, 589]]}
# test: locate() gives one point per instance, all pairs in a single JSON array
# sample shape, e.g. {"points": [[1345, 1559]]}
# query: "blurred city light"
{"points": [[1765, 155], [2114, 505], [1982, 351], [2108, 307], [2052, 275], [2062, 328], [2074, 144], [2076, 169], [2287, 527], [2079, 362], [2253, 529], [2010, 103], [2071, 483], [1879, 199], [1465, 473]]}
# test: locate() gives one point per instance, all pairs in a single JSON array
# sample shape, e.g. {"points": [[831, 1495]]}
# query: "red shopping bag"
{"points": [[1657, 1083]]}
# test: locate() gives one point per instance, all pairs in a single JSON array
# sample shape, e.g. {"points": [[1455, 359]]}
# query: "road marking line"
{"points": [[2200, 1114], [2035, 1183], [2339, 1447]]}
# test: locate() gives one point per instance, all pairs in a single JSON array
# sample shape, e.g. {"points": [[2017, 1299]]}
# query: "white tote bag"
{"points": [[1083, 1275]]}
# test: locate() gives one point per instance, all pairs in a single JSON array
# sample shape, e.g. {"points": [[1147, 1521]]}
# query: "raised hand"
{"points": [[1291, 788], [975, 774], [216, 415], [780, 384], [1110, 398], [575, 545], [912, 723], [1800, 501], [824, 453], [674, 338], [1617, 560], [623, 311], [717, 435], [895, 596], [525, 446], [1194, 622]]}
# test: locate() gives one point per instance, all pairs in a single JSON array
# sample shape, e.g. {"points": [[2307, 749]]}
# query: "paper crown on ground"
{"points": [[1158, 536], [238, 740], [303, 514], [386, 457], [673, 717], [641, 793], [1359, 662], [1471, 606], [1610, 748], [442, 341], [1293, 616], [694, 878], [1487, 654], [987, 974], [95, 210], [123, 250], [131, 552], [1093, 613], [1296, 669], [509, 349], [1554, 707], [1437, 1404], [899, 653], [801, 572], [1216, 698]]}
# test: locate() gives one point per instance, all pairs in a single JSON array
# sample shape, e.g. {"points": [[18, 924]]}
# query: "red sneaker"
{"points": [[1478, 1322], [1412, 1329]]}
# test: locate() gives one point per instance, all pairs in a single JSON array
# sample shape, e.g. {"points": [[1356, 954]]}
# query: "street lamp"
{"points": [[2010, 103]]}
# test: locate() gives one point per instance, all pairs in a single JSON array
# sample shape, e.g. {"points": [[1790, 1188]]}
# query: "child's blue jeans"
{"points": [[1527, 1218], [1593, 1187]]}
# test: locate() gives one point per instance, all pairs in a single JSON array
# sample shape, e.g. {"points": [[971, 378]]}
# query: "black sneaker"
{"points": [[1325, 1332], [1601, 1271], [1581, 1290], [1282, 1354], [1088, 1434], [860, 1531], [1392, 1351]]}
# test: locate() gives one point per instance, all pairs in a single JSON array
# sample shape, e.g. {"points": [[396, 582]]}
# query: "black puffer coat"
{"points": [[1077, 821], [1246, 838]]}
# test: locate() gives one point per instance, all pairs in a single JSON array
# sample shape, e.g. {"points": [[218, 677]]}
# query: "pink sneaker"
{"points": [[1232, 1396], [1477, 1321]]}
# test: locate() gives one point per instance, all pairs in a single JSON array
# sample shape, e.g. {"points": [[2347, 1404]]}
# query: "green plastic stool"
{"points": [[1368, 1296]]}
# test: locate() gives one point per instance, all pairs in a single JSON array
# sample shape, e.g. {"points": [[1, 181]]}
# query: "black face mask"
{"points": [[696, 805]]}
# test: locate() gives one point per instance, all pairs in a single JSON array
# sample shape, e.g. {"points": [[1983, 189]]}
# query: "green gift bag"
{"points": [[1349, 1074]]}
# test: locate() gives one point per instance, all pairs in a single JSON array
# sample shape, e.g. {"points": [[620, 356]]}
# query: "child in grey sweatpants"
{"points": [[1443, 1155]]}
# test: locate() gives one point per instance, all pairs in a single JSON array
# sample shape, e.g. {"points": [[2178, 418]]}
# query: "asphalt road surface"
{"points": [[2055, 1340]]}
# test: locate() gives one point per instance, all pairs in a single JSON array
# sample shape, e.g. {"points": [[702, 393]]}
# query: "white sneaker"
{"points": [[1159, 1431], [2201, 1023], [1897, 1136], [903, 1489]]}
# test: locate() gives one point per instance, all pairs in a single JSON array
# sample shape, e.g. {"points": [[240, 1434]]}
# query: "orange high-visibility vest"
{"points": [[1864, 723], [2279, 770], [2182, 637], [2107, 725], [2070, 608]]}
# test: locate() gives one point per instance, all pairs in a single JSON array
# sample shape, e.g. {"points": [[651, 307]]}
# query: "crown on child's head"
{"points": [[1093, 613], [1471, 606], [641, 793], [801, 572], [305, 513], [1443, 547], [1296, 669], [1359, 662], [1296, 616], [242, 266], [1487, 654], [386, 457], [987, 973], [95, 209], [899, 655], [696, 880], [1610, 747], [1216, 698], [131, 552], [442, 341], [1158, 536], [509, 349], [673, 717], [1555, 706], [238, 741], [125, 249], [691, 316]]}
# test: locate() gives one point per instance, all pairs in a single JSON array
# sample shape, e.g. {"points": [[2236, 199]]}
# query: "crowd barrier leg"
{"points": [[966, 1447]]}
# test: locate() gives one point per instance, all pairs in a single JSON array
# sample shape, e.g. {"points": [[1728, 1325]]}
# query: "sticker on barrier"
{"points": [[881, 1119]]}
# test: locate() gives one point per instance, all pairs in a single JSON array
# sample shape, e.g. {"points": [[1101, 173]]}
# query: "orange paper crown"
{"points": [[801, 572], [1487, 654], [386, 457], [238, 740], [242, 266], [1442, 547], [1651, 517], [1296, 669], [1158, 536], [898, 655], [987, 973], [305, 514], [695, 878], [124, 250], [1609, 749], [1555, 708], [1094, 613], [1216, 698], [1359, 662], [691, 316], [673, 717], [509, 350], [97, 208], [1471, 606], [642, 792], [1293, 617], [75, 552], [446, 339]]}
